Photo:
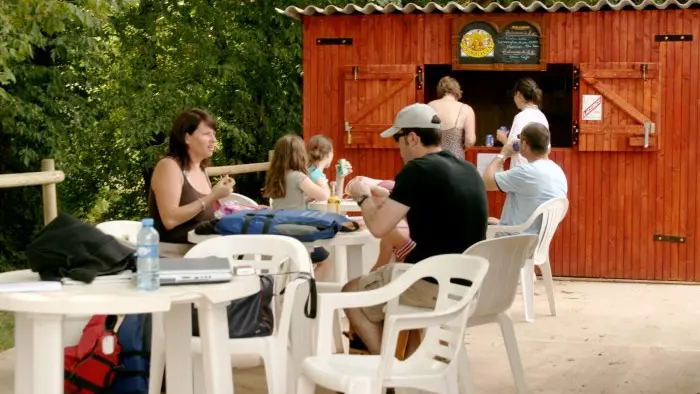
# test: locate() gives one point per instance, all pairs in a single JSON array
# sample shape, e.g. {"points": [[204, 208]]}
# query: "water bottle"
{"points": [[147, 264]]}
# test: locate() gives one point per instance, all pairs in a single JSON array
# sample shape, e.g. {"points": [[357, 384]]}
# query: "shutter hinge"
{"points": [[574, 133], [575, 80], [419, 78]]}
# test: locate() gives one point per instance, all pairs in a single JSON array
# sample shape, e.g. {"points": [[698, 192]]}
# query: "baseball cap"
{"points": [[415, 116]]}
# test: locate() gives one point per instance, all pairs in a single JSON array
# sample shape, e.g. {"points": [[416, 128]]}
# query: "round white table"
{"points": [[39, 317]]}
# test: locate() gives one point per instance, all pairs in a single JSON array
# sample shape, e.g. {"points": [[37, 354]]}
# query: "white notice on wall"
{"points": [[483, 160], [592, 107]]}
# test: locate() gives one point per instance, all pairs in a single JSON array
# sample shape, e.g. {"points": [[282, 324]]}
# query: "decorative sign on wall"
{"points": [[477, 44], [512, 44]]}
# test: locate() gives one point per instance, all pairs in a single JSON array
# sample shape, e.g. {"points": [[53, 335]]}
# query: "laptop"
{"points": [[178, 271]]}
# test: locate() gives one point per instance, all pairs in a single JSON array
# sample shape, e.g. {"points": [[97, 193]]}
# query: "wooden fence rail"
{"points": [[48, 177]]}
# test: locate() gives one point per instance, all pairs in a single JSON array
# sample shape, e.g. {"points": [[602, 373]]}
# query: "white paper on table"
{"points": [[483, 160], [19, 287]]}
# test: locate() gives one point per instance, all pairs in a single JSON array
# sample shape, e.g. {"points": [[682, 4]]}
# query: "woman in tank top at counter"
{"points": [[181, 195], [527, 97], [458, 119]]}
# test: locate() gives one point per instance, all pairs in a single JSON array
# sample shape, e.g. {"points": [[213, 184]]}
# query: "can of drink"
{"points": [[489, 140], [516, 145], [342, 167]]}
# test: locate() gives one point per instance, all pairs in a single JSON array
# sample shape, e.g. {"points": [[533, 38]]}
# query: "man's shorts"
{"points": [[421, 294]]}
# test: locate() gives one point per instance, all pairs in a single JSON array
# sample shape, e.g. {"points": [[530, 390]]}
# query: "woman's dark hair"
{"points": [[529, 89], [186, 123]]}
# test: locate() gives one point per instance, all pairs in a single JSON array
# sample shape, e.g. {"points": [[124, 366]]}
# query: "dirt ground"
{"points": [[607, 338]]}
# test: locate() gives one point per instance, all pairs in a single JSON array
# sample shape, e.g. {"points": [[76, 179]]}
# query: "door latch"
{"points": [[648, 128], [348, 131]]}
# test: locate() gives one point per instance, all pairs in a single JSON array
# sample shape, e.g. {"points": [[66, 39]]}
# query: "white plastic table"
{"points": [[39, 317], [354, 244], [345, 206]]}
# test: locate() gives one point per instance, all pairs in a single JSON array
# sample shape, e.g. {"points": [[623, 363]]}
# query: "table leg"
{"points": [[340, 264], [178, 349], [23, 353], [213, 332], [43, 342]]}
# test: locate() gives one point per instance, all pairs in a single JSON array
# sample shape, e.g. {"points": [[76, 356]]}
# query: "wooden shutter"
{"points": [[630, 95], [373, 95]]}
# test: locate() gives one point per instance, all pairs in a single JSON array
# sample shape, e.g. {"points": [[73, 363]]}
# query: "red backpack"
{"points": [[88, 369]]}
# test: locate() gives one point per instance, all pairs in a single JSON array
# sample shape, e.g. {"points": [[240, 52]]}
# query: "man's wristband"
{"points": [[361, 200]]}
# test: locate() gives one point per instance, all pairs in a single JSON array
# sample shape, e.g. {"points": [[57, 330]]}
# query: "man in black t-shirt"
{"points": [[443, 199]]}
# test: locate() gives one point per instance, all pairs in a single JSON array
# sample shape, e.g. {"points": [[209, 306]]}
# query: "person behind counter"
{"points": [[181, 195], [458, 119], [527, 97]]}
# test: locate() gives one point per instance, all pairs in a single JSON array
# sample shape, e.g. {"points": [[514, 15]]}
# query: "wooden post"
{"points": [[49, 193], [269, 155]]}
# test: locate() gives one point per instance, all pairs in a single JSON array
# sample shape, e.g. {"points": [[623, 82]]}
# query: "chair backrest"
{"points": [[506, 256], [553, 212], [241, 199], [442, 342], [283, 257], [126, 230]]}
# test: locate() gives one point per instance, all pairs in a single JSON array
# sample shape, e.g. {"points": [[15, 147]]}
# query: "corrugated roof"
{"points": [[454, 8]]}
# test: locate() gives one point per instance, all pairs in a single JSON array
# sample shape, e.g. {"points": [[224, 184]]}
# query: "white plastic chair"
{"points": [[506, 256], [552, 213], [126, 230], [290, 337], [240, 198], [363, 374]]}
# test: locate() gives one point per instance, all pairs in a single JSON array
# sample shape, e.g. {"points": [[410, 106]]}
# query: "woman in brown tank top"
{"points": [[181, 194]]}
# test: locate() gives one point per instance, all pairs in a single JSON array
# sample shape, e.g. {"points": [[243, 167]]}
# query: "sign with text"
{"points": [[518, 43], [498, 43], [592, 107]]}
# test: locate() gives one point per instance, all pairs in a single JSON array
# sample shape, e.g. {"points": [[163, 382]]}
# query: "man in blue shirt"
{"points": [[527, 185]]}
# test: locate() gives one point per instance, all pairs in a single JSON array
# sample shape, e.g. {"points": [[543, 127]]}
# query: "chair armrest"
{"points": [[494, 229], [328, 303], [394, 324], [329, 287]]}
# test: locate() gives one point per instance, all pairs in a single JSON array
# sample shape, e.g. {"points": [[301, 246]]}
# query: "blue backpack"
{"points": [[134, 335], [265, 221]]}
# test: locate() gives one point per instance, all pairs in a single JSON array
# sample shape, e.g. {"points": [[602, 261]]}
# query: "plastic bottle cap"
{"points": [[148, 222]]}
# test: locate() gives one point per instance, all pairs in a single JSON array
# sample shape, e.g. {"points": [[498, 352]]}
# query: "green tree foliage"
{"points": [[47, 48], [97, 84]]}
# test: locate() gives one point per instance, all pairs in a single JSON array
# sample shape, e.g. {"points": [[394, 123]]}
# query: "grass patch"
{"points": [[7, 330]]}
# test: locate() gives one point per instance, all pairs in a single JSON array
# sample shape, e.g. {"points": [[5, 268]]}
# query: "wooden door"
{"points": [[623, 99], [373, 95]]}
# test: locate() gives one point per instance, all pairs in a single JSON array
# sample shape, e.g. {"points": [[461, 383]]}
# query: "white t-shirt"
{"points": [[527, 115]]}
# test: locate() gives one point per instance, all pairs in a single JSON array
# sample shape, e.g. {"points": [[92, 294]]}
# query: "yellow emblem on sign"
{"points": [[477, 43]]}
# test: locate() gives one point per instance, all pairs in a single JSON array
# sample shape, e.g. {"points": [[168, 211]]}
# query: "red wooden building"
{"points": [[634, 201]]}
